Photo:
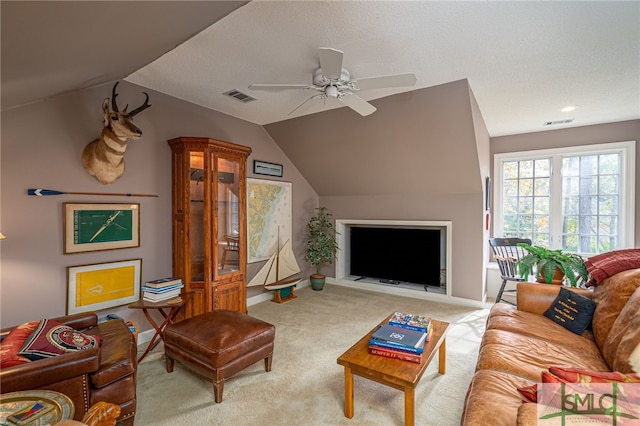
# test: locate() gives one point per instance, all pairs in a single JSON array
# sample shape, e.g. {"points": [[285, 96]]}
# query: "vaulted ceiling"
{"points": [[524, 60]]}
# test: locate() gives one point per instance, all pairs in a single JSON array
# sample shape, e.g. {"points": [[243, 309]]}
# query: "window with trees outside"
{"points": [[579, 199]]}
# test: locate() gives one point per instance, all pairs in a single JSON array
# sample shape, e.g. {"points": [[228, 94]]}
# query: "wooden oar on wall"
{"points": [[39, 192]]}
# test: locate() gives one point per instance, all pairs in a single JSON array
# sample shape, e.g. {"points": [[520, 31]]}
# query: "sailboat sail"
{"points": [[277, 272]]}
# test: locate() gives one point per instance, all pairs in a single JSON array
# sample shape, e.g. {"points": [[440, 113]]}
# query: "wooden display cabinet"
{"points": [[210, 223]]}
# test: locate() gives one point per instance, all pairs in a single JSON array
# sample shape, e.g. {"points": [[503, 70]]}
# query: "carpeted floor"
{"points": [[306, 385]]}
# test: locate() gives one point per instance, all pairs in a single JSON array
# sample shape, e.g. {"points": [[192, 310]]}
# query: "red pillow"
{"points": [[582, 378], [50, 338], [12, 344], [576, 375], [529, 392]]}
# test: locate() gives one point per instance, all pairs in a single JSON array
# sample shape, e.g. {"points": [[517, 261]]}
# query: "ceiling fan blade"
{"points": [[330, 62], [395, 80], [277, 86], [357, 104], [305, 105]]}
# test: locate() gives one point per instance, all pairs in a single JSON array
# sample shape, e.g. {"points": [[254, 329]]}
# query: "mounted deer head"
{"points": [[104, 157]]}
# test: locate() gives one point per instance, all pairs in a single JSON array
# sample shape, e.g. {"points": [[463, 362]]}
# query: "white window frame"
{"points": [[627, 150]]}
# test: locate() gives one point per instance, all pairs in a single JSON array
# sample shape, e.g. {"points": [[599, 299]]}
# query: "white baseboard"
{"points": [[416, 294], [145, 336]]}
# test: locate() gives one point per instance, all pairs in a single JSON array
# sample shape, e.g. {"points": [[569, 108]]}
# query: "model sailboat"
{"points": [[278, 273]]}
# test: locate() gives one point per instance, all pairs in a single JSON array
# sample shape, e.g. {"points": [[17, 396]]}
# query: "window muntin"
{"points": [[526, 199], [586, 207]]}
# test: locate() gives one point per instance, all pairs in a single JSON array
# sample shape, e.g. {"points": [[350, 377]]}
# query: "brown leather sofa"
{"points": [[105, 373], [520, 343]]}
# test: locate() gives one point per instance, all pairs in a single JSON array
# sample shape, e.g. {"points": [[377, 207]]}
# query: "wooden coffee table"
{"points": [[401, 375]]}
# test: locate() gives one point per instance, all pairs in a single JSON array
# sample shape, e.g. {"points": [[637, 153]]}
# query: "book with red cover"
{"points": [[396, 354]]}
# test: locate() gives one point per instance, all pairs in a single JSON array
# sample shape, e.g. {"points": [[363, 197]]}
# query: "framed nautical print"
{"points": [[100, 226], [269, 217]]}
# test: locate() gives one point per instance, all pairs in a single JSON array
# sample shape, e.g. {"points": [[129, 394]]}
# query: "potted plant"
{"points": [[321, 244], [552, 265]]}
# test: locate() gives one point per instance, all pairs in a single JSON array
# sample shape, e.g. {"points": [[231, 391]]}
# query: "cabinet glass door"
{"points": [[196, 213], [228, 215]]}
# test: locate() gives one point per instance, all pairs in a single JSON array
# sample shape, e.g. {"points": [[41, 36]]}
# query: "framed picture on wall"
{"points": [[103, 285], [487, 193], [100, 226], [265, 168], [269, 217]]}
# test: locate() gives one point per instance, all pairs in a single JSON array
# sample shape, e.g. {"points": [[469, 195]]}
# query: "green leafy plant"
{"points": [[547, 261], [321, 243]]}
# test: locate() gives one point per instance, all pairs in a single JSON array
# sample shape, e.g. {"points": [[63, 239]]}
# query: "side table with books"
{"points": [[173, 305]]}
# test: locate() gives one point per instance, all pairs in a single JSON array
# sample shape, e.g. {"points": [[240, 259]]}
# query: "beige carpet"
{"points": [[306, 385]]}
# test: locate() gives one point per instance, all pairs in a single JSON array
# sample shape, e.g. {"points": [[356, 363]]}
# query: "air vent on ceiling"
{"points": [[553, 123], [242, 97]]}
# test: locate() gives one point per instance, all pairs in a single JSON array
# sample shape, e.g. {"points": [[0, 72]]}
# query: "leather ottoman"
{"points": [[218, 345]]}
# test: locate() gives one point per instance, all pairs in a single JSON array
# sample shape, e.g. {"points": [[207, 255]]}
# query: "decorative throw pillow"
{"points": [[529, 392], [576, 375], [585, 381], [581, 380], [12, 344], [571, 310], [50, 338]]}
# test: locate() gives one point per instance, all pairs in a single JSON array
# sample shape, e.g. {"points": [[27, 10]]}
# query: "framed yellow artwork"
{"points": [[103, 285]]}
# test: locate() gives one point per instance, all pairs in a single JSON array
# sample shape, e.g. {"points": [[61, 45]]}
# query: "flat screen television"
{"points": [[399, 254]]}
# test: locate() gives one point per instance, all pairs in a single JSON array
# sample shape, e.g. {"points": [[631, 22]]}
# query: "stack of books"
{"points": [[403, 337], [162, 289]]}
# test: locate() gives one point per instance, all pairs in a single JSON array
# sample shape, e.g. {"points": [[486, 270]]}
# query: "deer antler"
{"points": [[114, 105], [142, 107]]}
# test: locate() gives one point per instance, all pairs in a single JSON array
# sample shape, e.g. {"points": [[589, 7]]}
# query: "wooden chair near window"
{"points": [[233, 245], [507, 253]]}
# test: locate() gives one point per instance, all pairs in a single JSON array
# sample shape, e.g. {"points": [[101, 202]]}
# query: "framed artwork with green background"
{"points": [[100, 226]]}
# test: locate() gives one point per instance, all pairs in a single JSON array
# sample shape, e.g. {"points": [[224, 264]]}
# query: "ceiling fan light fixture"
{"points": [[333, 81], [331, 92], [569, 108]]}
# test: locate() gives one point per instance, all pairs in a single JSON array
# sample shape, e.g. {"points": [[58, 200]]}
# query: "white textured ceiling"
{"points": [[524, 60], [55, 47]]}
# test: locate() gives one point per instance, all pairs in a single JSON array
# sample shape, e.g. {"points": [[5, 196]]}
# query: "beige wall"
{"points": [[41, 145], [586, 135], [423, 155], [424, 162]]}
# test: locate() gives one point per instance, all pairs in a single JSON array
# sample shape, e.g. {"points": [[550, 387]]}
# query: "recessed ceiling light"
{"points": [[570, 108]]}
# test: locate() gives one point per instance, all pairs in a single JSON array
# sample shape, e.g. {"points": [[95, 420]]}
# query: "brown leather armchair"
{"points": [[105, 373]]}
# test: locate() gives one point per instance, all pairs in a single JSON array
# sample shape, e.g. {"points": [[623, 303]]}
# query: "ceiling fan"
{"points": [[333, 81]]}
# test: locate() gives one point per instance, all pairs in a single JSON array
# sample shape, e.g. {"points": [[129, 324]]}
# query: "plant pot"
{"points": [[317, 281], [558, 277]]}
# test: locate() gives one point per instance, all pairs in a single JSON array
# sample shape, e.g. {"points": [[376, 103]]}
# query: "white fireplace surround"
{"points": [[342, 262]]}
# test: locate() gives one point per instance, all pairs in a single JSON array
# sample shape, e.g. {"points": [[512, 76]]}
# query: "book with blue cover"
{"points": [[399, 336], [161, 290], [395, 346], [410, 321]]}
